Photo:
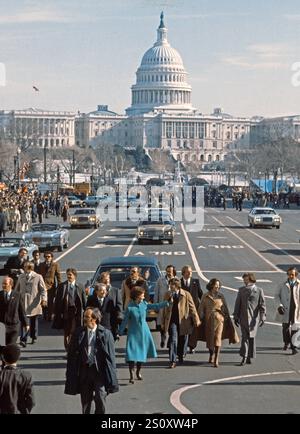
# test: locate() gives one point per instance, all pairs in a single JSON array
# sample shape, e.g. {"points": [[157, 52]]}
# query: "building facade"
{"points": [[274, 128], [38, 128], [161, 116]]}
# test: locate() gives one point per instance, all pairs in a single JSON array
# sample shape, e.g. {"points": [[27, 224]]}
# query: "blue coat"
{"points": [[140, 344]]}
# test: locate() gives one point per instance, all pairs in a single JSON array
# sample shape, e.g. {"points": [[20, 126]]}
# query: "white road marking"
{"points": [[258, 280], [107, 237], [267, 241], [175, 397], [127, 253], [239, 271], [288, 244], [102, 246], [197, 266], [76, 245], [121, 230], [212, 238], [248, 245]]}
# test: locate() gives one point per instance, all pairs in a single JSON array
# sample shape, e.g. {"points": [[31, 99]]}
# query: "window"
{"points": [[218, 158], [214, 134], [169, 130], [228, 136], [192, 130], [178, 130], [170, 143], [201, 131], [209, 158], [215, 144], [178, 143], [236, 136], [202, 157], [185, 130]]}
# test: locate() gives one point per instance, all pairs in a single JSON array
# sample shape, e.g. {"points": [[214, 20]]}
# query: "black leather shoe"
{"points": [[33, 341], [192, 351], [162, 344], [172, 365], [23, 344], [180, 361], [294, 351], [285, 348], [248, 361], [243, 362]]}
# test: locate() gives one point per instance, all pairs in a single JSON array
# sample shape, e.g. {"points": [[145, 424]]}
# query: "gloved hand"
{"points": [[281, 310], [236, 322]]}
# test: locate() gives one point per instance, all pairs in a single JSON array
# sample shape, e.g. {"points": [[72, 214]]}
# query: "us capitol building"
{"points": [[161, 116]]}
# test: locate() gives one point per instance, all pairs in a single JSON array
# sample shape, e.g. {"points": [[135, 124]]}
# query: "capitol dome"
{"points": [[161, 79]]}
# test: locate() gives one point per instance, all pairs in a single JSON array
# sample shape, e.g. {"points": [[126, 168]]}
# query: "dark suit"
{"points": [[14, 267], [108, 311], [52, 278], [65, 317], [92, 381], [16, 392], [12, 313], [116, 295], [37, 267], [194, 289], [196, 292]]}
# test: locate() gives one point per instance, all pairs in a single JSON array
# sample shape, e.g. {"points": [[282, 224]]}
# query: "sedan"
{"points": [[156, 230], [10, 246], [85, 217], [49, 236], [266, 217], [74, 201]]}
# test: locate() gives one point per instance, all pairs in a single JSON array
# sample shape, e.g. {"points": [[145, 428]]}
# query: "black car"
{"points": [[119, 268]]}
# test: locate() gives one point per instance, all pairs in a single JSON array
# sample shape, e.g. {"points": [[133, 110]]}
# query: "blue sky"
{"points": [[238, 53]]}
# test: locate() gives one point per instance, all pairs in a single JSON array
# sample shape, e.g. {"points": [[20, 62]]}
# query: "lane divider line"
{"points": [[127, 253], [267, 241], [76, 245], [198, 269], [247, 245]]}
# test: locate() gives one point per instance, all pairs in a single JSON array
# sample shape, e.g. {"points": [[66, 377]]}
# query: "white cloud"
{"points": [[245, 63], [37, 15], [271, 50], [262, 56], [292, 17]]}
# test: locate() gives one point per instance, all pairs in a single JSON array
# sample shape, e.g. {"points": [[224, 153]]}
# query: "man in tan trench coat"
{"points": [[178, 320], [32, 287]]}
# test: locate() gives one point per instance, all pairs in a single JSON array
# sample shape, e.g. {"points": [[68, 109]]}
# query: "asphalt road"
{"points": [[225, 249]]}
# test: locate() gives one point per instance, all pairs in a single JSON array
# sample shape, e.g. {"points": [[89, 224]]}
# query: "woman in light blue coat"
{"points": [[140, 345]]}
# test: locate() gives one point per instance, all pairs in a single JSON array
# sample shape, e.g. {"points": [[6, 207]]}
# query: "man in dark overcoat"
{"points": [[91, 366]]}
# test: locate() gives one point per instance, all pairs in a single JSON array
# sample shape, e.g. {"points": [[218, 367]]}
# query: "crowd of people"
{"points": [[93, 320], [18, 209]]}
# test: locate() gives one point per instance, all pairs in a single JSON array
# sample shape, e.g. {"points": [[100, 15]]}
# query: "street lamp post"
{"points": [[45, 164], [18, 167], [92, 178]]}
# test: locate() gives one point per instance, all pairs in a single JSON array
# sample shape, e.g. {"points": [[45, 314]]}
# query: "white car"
{"points": [[74, 201], [266, 217]]}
